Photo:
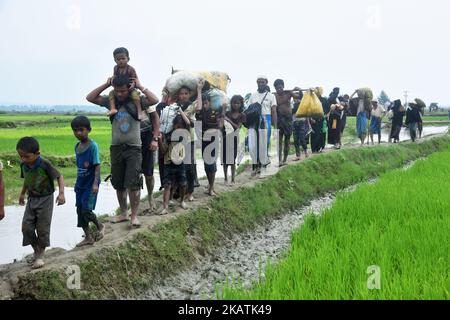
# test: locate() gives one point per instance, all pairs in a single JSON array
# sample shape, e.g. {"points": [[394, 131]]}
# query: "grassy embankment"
{"points": [[168, 247], [400, 224]]}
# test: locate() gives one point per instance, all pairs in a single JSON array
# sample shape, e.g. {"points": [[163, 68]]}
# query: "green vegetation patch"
{"points": [[400, 225]]}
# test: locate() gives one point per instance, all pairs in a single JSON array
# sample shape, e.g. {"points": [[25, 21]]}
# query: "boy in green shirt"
{"points": [[39, 176]]}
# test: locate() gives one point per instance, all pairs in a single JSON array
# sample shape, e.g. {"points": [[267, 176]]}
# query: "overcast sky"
{"points": [[56, 51]]}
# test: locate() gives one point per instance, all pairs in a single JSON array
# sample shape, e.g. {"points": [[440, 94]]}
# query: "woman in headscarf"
{"points": [[334, 119], [397, 121], [321, 132]]}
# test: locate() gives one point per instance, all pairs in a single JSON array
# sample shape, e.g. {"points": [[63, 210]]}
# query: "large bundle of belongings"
{"points": [[310, 106], [215, 85], [421, 104], [363, 93], [216, 79]]}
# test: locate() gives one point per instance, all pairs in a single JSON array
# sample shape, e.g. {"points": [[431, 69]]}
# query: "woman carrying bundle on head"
{"points": [[364, 101]]}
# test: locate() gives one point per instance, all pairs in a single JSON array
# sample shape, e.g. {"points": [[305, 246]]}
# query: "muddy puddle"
{"points": [[64, 232], [405, 136]]}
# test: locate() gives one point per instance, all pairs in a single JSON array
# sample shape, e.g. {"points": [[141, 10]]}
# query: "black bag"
{"points": [[353, 107], [253, 114]]}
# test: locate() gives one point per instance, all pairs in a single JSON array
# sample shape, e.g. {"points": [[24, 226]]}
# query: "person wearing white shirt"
{"points": [[268, 112]]}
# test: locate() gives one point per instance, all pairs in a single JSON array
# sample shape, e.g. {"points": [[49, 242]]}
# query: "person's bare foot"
{"points": [[101, 233], [88, 241], [120, 218], [152, 205], [39, 263], [112, 112], [183, 205], [135, 223], [163, 212]]}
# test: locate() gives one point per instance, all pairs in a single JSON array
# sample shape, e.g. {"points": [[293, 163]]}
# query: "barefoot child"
{"points": [[212, 121], [236, 118], [174, 167], [122, 57], [88, 179], [39, 176]]}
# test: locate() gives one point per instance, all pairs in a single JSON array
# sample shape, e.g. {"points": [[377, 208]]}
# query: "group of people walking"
{"points": [[177, 127]]}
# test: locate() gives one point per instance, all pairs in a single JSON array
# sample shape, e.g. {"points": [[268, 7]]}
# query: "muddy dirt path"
{"points": [[243, 257]]}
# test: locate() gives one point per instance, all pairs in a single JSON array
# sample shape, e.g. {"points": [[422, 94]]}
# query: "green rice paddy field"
{"points": [[53, 132], [400, 224]]}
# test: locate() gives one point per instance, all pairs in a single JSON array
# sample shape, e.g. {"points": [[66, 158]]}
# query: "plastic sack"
{"points": [[310, 106], [166, 119], [420, 103], [367, 93], [219, 99], [181, 79], [218, 80]]}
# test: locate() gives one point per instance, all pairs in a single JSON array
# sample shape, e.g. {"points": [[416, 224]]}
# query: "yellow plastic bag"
{"points": [[310, 106], [334, 124], [218, 80]]}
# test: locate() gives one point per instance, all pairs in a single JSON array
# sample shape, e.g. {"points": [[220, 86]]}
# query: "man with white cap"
{"points": [[268, 103]]}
